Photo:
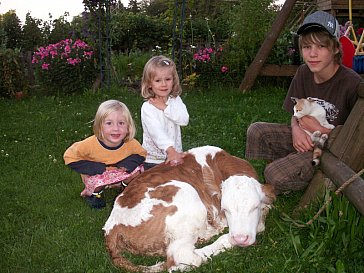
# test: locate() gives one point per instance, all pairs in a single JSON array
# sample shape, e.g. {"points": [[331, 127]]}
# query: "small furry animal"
{"points": [[303, 107]]}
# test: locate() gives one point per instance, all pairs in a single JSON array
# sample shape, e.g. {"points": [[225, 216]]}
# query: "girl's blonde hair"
{"points": [[149, 72], [320, 36], [105, 109]]}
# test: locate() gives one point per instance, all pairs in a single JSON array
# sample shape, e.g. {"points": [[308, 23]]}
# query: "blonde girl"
{"points": [[110, 156], [162, 113]]}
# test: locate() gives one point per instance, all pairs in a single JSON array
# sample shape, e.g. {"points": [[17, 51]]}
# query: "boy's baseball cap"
{"points": [[323, 20]]}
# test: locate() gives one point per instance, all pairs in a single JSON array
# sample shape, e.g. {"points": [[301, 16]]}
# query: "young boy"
{"points": [[322, 77]]}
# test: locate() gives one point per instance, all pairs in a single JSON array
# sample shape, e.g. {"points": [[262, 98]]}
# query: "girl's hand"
{"points": [[158, 102], [123, 169], [174, 158]]}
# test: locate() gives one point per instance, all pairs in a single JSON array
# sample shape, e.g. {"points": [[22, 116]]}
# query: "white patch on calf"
{"points": [[241, 201], [201, 153], [191, 216], [187, 225], [133, 216]]}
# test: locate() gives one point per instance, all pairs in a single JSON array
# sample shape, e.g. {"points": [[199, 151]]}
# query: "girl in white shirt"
{"points": [[162, 113]]}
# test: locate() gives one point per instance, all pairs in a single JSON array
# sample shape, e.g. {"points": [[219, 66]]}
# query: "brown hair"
{"points": [[320, 36], [158, 62], [105, 109]]}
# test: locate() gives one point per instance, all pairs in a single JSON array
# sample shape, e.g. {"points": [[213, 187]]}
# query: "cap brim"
{"points": [[305, 27]]}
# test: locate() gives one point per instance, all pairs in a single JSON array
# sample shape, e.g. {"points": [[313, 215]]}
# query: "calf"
{"points": [[166, 210]]}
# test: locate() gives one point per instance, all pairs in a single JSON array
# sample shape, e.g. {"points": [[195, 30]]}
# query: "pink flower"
{"points": [[224, 69], [45, 66], [73, 61], [66, 50], [88, 54]]}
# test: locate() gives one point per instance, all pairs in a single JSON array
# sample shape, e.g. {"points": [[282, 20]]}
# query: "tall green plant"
{"points": [[12, 78], [12, 28], [338, 232]]}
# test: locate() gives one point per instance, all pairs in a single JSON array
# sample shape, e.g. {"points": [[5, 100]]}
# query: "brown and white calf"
{"points": [[166, 210]]}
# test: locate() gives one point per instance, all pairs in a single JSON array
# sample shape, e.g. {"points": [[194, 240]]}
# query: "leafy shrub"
{"points": [[67, 66], [129, 68], [12, 78], [285, 50], [251, 20]]}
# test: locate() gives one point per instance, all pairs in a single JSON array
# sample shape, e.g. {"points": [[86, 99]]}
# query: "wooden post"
{"points": [[268, 43], [349, 144], [339, 173]]}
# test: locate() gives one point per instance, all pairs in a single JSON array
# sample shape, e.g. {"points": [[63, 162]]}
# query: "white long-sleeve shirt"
{"points": [[161, 129]]}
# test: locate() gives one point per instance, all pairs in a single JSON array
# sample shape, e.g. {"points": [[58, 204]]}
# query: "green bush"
{"points": [[67, 67], [211, 68], [129, 68], [12, 78]]}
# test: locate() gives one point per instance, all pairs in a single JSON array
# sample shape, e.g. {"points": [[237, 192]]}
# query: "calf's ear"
{"points": [[270, 195]]}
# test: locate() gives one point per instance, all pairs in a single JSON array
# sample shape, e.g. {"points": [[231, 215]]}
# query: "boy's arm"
{"points": [[311, 124]]}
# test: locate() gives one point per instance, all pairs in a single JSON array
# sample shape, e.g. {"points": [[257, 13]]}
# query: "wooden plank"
{"points": [[332, 4], [339, 173], [278, 70], [340, 7], [323, 4], [349, 144]]}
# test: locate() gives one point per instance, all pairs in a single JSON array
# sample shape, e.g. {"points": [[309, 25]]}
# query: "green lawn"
{"points": [[47, 227]]}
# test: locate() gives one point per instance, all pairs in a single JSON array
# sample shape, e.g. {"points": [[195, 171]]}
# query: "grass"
{"points": [[47, 227]]}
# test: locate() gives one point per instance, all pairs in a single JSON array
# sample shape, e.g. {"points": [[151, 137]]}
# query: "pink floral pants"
{"points": [[109, 177]]}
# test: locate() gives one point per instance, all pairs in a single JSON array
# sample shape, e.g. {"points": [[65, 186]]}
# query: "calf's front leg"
{"points": [[220, 245]]}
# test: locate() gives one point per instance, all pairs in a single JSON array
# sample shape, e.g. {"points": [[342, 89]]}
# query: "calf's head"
{"points": [[245, 203]]}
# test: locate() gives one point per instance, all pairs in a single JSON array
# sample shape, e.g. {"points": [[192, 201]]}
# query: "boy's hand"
{"points": [[301, 140]]}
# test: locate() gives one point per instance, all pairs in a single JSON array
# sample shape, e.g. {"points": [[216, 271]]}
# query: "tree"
{"points": [[61, 29], [12, 29], [32, 34], [134, 6], [154, 7]]}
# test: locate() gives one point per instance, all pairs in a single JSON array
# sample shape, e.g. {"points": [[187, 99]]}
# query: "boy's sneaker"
{"points": [[95, 201]]}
